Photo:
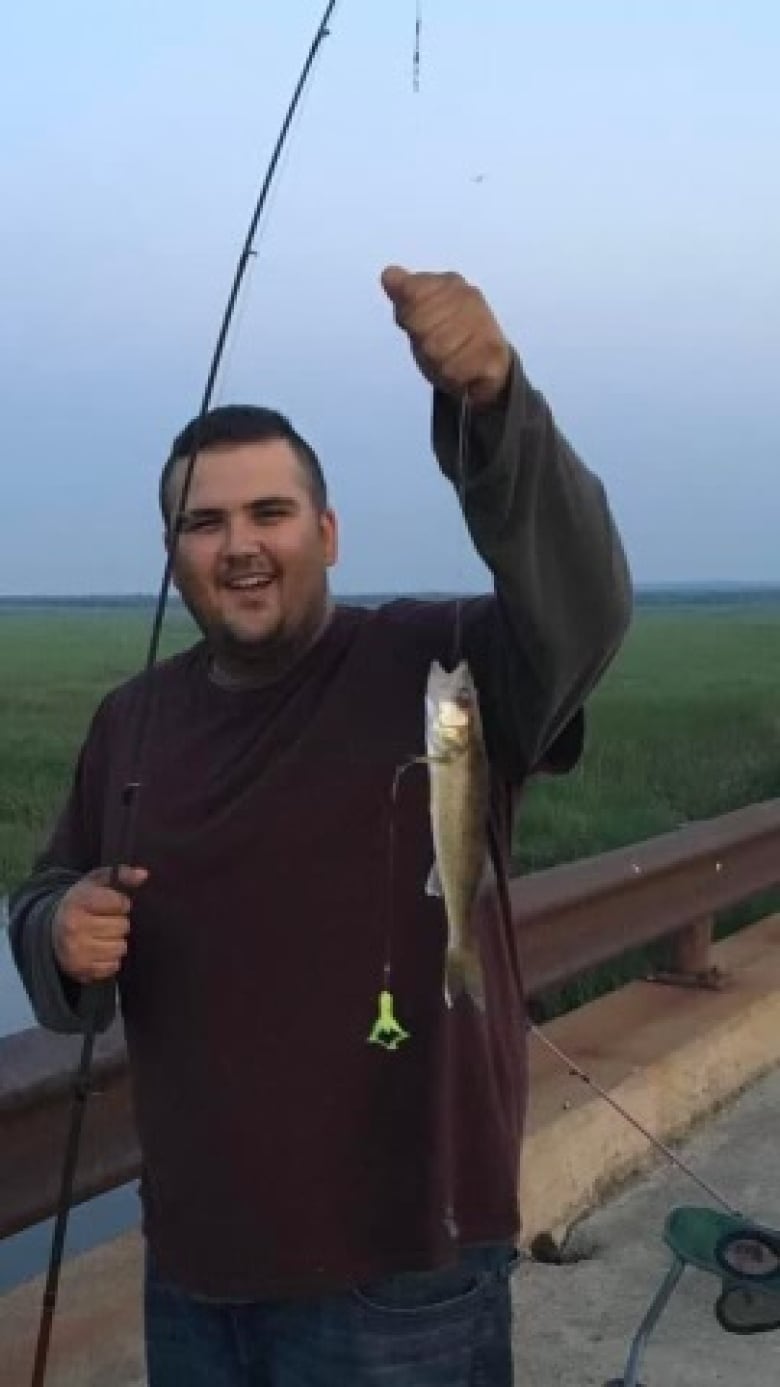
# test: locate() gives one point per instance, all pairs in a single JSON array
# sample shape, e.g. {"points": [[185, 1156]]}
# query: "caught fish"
{"points": [[459, 801]]}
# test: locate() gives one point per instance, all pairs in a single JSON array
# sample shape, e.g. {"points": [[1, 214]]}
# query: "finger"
{"points": [[427, 303], [430, 315], [439, 311], [112, 951], [475, 371], [408, 290], [445, 348], [133, 876], [394, 279], [103, 929], [127, 876], [101, 900], [85, 964]]}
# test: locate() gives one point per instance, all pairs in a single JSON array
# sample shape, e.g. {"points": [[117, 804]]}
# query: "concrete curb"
{"points": [[670, 1056]]}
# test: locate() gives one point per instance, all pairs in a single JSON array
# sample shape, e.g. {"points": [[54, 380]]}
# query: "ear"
{"points": [[329, 531]]}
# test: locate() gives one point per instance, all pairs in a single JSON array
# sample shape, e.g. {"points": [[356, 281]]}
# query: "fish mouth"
{"points": [[454, 713]]}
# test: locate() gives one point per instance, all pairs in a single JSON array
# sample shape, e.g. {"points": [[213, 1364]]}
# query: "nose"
{"points": [[239, 537]]}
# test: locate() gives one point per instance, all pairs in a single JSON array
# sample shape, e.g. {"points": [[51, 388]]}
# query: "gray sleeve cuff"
{"points": [[58, 1003]]}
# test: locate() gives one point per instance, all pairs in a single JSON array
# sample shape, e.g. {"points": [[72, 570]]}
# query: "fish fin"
{"points": [[433, 886], [463, 973]]}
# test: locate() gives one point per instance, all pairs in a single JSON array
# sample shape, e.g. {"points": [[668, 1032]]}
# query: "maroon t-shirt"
{"points": [[282, 1152]]}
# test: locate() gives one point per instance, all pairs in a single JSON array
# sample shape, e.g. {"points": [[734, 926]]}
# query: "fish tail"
{"points": [[463, 973]]}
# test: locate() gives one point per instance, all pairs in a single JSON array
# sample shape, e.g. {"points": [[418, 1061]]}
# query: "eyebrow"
{"points": [[261, 503]]}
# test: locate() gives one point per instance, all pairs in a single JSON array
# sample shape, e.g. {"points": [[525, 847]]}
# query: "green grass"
{"points": [[54, 668], [685, 725]]}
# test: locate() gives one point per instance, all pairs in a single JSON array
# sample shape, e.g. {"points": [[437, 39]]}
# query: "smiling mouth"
{"points": [[249, 584]]}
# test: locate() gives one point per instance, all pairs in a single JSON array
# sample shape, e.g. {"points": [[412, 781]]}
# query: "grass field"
{"points": [[54, 667], [686, 724]]}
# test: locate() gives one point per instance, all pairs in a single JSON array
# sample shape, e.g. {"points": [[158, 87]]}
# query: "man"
{"points": [[320, 1211]]}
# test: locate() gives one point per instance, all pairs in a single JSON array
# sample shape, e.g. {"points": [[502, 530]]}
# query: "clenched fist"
{"points": [[457, 342], [91, 925]]}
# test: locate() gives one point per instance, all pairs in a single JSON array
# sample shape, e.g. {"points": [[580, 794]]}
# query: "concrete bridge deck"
{"points": [[574, 1322]]}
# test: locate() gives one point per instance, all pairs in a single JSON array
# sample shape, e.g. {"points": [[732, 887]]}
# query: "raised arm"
{"points": [[538, 517]]}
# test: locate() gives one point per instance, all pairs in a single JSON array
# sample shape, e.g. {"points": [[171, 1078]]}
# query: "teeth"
{"points": [[249, 582]]}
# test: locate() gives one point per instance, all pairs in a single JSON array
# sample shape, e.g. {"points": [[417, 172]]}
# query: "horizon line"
{"points": [[648, 585]]}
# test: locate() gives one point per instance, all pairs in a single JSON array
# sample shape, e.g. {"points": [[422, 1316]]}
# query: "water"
{"points": [[27, 1254], [15, 1011]]}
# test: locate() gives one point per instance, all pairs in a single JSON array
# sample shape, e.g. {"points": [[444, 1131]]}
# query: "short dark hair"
{"points": [[242, 424]]}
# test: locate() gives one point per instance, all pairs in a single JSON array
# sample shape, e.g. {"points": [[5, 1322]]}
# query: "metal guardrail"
{"points": [[37, 1070], [572, 918], [569, 919]]}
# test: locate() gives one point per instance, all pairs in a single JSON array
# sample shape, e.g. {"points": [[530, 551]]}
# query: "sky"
{"points": [[606, 172]]}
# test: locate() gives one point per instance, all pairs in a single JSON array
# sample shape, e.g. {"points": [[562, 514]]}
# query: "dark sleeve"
{"points": [[73, 849], [541, 522]]}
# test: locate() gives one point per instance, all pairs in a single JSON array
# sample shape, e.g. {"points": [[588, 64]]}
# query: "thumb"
{"points": [[126, 876], [394, 281], [133, 876]]}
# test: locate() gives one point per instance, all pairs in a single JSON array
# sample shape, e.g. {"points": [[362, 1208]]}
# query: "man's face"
{"points": [[253, 550]]}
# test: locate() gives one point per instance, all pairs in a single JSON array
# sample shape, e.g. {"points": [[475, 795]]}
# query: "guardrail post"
{"points": [[689, 960], [691, 947]]}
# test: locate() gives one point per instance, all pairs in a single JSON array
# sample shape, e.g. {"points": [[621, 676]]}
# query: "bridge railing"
{"points": [[570, 919]]}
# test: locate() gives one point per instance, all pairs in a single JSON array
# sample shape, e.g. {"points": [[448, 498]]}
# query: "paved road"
{"points": [[575, 1322]]}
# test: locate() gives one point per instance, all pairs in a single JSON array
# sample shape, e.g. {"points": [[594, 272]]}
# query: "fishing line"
{"points": [[502, 884], [416, 57], [97, 993], [505, 907], [579, 1073], [464, 422], [386, 1030]]}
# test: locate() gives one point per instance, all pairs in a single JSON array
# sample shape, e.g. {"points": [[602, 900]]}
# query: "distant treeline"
{"points": [[648, 595]]}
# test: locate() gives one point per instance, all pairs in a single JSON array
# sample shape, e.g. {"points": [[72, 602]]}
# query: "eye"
{"points": [[190, 524], [263, 515]]}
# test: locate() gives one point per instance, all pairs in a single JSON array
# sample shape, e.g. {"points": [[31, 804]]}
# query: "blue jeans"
{"points": [[449, 1328]]}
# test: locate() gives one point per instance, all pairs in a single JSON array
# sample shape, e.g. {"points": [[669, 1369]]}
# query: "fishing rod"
{"points": [[576, 1070], [98, 993], [578, 1073]]}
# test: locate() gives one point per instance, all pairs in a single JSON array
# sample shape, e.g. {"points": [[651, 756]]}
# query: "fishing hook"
{"points": [[97, 992]]}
